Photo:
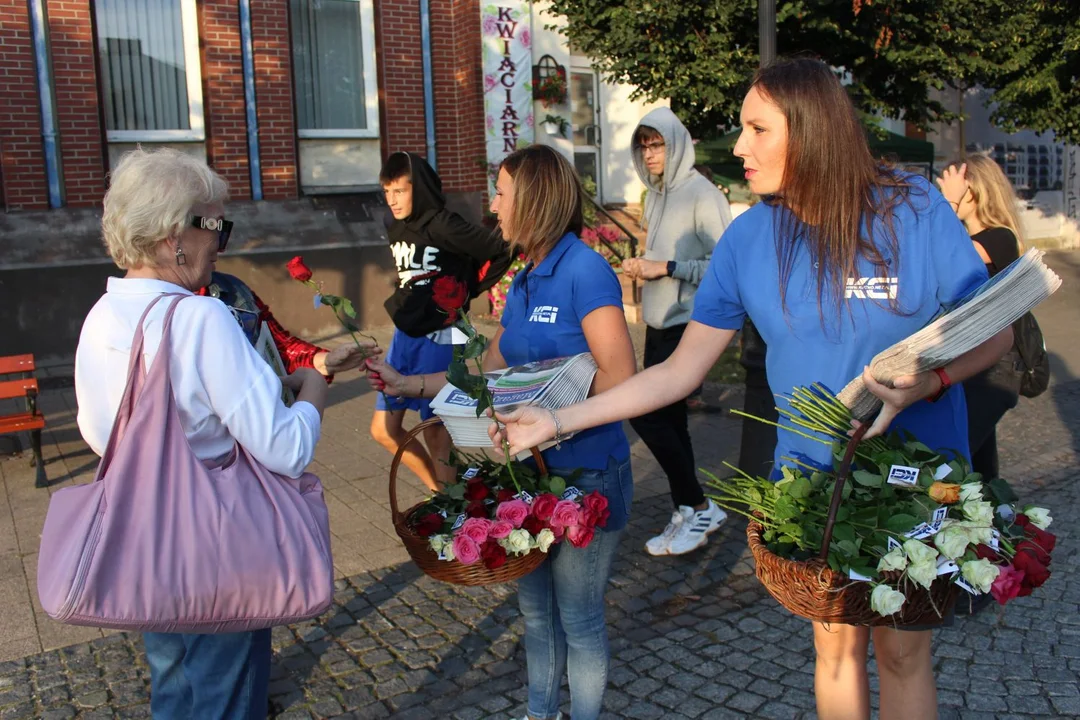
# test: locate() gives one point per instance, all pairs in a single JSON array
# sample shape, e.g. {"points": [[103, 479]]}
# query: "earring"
{"points": [[180, 258]]}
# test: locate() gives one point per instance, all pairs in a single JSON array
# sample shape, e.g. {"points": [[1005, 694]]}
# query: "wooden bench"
{"points": [[25, 387]]}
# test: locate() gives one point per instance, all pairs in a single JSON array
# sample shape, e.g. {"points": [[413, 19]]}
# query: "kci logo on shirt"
{"points": [[544, 314], [874, 288]]}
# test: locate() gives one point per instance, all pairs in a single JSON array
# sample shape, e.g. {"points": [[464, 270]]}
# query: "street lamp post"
{"points": [[766, 31]]}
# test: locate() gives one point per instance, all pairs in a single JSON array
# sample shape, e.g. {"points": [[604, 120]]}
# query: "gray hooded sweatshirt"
{"points": [[685, 215]]}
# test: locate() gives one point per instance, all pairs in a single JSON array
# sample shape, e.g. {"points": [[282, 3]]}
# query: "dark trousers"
{"points": [[665, 431], [989, 395], [758, 439]]}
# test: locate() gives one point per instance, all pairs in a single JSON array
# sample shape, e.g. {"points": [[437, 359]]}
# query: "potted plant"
{"points": [[555, 125], [551, 90]]}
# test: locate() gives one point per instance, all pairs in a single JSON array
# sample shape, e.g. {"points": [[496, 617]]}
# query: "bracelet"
{"points": [[422, 380], [558, 429], [946, 383]]}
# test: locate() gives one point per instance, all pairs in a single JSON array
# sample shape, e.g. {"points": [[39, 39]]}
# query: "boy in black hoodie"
{"points": [[428, 241]]}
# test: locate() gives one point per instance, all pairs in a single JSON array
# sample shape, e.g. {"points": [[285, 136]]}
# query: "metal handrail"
{"points": [[634, 290]]}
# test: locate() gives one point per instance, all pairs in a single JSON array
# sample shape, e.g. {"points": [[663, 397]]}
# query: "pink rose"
{"points": [[476, 529], [466, 550], [544, 505], [579, 535], [1007, 585], [513, 512], [500, 529], [565, 514]]}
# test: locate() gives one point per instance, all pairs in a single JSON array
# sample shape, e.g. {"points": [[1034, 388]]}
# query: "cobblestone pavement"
{"points": [[694, 636]]}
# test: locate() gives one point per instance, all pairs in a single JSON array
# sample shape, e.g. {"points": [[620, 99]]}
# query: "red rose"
{"points": [[1009, 584], [1021, 519], [476, 509], [544, 505], [1043, 539], [598, 505], [1035, 573], [985, 552], [1036, 551], [449, 294], [429, 525], [504, 495], [493, 554], [298, 269], [533, 525], [476, 490]]}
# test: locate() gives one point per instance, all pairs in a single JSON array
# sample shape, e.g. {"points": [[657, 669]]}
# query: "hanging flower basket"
{"points": [[551, 89]]}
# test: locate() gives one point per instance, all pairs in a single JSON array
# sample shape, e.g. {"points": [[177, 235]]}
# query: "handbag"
{"points": [[160, 542], [1029, 343]]}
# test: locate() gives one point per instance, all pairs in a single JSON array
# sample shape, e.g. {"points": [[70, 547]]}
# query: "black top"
{"points": [[1000, 244], [432, 242]]}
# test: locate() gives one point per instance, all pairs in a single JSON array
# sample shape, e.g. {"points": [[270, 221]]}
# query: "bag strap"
{"points": [[136, 376]]}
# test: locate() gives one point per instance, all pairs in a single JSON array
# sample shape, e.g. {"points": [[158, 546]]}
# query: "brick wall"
{"points": [[400, 72], [274, 98], [78, 117], [459, 99], [223, 94], [22, 160]]}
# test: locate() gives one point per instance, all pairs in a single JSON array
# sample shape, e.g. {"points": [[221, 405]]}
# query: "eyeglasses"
{"points": [[221, 226], [651, 148]]}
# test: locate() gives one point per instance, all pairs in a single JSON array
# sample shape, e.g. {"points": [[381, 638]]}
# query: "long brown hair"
{"points": [[547, 198], [833, 191]]}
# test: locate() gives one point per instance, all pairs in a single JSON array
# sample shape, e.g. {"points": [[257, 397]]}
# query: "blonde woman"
{"points": [[566, 301], [985, 202], [164, 223]]}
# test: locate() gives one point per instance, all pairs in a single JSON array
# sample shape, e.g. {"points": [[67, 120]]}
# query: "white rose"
{"points": [[892, 560], [978, 534], [545, 539], [979, 511], [952, 541], [980, 574], [971, 492], [1039, 517], [437, 543], [886, 601], [448, 552], [923, 573], [518, 541], [919, 552]]}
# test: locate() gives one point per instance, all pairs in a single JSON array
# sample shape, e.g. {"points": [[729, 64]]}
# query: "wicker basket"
{"points": [[811, 589], [428, 561]]}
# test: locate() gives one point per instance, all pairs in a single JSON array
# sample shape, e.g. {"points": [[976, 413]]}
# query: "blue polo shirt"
{"points": [[938, 266], [542, 320]]}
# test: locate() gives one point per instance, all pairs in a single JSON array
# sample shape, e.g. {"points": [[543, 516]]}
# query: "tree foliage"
{"points": [[702, 53]]}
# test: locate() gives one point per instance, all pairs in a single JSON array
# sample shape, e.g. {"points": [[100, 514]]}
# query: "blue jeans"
{"points": [[563, 604], [209, 677]]}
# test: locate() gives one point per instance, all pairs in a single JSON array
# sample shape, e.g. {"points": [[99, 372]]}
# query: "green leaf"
{"points": [[847, 548], [843, 531], [792, 529], [331, 300], [557, 486], [456, 491], [347, 307], [867, 478], [842, 514], [864, 570], [799, 488], [474, 347], [457, 374], [1002, 492], [483, 403], [901, 523]]}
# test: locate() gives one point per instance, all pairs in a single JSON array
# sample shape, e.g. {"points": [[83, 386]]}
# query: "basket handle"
{"points": [[411, 435], [838, 490]]}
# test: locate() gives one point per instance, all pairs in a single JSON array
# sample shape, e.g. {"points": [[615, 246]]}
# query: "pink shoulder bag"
{"points": [[161, 543]]}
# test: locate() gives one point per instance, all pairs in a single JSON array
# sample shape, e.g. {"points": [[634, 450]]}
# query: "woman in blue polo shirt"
{"points": [[566, 301], [843, 258]]}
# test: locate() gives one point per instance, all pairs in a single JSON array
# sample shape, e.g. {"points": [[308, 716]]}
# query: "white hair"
{"points": [[149, 200]]}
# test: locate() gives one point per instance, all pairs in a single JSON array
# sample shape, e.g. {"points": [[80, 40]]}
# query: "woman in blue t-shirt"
{"points": [[566, 301], [843, 258]]}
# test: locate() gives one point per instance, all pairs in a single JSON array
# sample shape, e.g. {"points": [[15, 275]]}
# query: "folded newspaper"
{"points": [[988, 310], [551, 384]]}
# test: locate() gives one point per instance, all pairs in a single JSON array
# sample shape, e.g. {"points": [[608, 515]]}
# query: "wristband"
{"points": [[946, 383], [671, 268]]}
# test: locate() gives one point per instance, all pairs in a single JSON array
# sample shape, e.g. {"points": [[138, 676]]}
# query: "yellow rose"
{"points": [[945, 493]]}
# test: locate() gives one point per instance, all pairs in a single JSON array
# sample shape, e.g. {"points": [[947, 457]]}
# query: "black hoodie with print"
{"points": [[431, 242]]}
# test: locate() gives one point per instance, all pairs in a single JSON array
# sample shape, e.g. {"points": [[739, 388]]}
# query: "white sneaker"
{"points": [[526, 717], [659, 545], [696, 527]]}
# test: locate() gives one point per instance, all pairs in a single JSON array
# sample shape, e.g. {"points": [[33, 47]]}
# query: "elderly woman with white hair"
{"points": [[164, 223]]}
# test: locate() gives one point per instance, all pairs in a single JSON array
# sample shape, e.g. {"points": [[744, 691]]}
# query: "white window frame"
{"points": [[371, 84], [190, 28]]}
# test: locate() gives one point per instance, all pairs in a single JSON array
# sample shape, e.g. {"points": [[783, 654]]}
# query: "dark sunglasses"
{"points": [[219, 225]]}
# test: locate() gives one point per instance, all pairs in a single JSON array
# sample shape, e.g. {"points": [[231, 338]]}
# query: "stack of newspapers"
{"points": [[988, 310], [551, 384]]}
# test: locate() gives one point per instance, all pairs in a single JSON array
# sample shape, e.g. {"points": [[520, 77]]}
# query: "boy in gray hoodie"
{"points": [[685, 215]]}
